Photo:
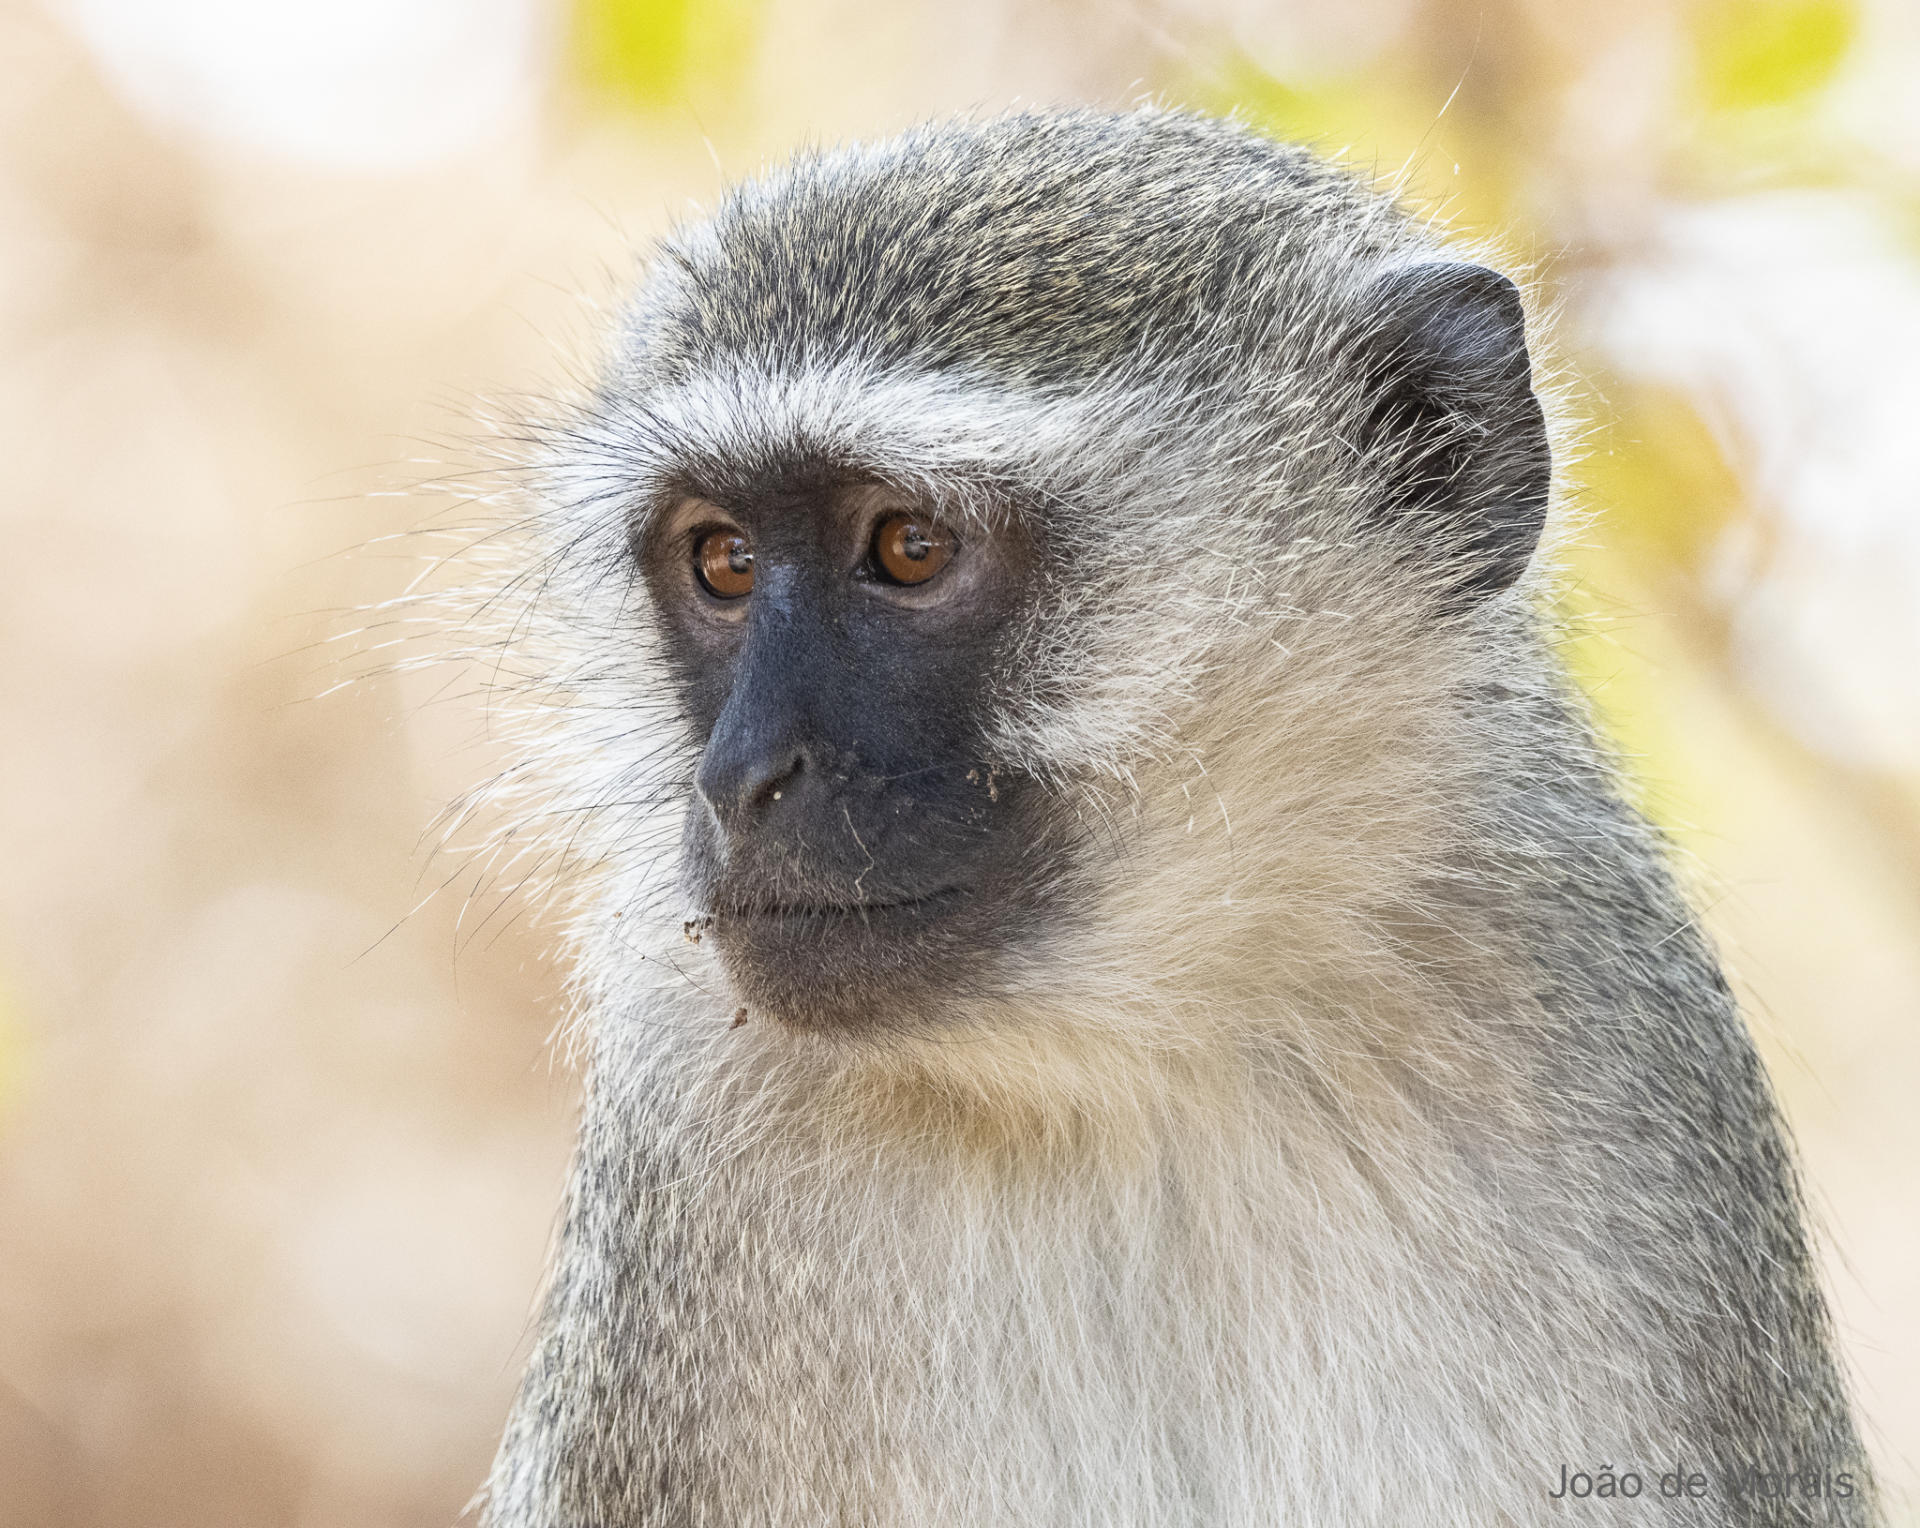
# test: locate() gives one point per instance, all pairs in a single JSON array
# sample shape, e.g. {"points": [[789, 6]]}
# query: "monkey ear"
{"points": [[1451, 410]]}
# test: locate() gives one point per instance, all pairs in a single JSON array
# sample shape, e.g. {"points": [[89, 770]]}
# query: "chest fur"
{"points": [[1260, 1331]]}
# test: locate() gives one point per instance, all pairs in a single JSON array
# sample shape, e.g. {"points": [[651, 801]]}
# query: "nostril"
{"points": [[740, 784], [780, 781]]}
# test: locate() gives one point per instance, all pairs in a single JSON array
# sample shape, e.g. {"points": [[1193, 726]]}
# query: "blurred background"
{"points": [[279, 1154]]}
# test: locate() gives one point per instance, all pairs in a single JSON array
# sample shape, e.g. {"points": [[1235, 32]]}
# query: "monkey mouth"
{"points": [[765, 910], [824, 961]]}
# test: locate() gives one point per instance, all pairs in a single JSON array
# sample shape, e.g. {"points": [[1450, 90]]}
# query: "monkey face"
{"points": [[850, 847]]}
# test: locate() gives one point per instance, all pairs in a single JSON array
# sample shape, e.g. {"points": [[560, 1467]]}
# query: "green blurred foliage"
{"points": [[654, 54], [1658, 495], [1385, 122], [1761, 53], [1659, 480]]}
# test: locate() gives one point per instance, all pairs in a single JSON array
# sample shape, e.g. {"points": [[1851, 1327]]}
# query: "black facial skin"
{"points": [[858, 858]]}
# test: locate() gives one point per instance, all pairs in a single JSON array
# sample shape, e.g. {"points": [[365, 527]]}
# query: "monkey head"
{"points": [[990, 511]]}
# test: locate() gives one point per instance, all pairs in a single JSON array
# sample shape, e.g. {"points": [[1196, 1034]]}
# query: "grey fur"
{"points": [[1383, 1140]]}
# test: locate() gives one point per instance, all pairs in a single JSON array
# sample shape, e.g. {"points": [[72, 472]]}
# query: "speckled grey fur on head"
{"points": [[1375, 1141]]}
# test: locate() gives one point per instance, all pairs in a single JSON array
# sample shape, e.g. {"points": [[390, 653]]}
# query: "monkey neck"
{"points": [[895, 1270]]}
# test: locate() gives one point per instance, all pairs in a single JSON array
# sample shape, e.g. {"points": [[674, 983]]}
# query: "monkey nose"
{"points": [[741, 778]]}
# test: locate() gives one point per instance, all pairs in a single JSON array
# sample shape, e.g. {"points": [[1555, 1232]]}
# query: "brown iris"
{"points": [[724, 561], [908, 550]]}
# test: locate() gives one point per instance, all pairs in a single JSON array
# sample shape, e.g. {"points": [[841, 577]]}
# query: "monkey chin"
{"points": [[858, 970]]}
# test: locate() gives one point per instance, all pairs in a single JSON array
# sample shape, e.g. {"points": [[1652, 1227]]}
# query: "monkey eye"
{"points": [[723, 561], [910, 550]]}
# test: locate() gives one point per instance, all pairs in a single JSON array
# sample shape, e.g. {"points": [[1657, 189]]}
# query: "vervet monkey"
{"points": [[1119, 986]]}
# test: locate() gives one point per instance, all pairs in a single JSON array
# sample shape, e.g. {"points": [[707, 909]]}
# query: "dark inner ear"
{"points": [[1452, 411]]}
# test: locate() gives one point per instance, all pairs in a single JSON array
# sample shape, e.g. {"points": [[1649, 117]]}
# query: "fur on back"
{"points": [[1378, 1140]]}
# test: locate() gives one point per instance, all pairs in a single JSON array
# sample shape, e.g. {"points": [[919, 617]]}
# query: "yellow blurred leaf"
{"points": [[1771, 52], [1663, 496], [1662, 484], [652, 53], [1381, 123]]}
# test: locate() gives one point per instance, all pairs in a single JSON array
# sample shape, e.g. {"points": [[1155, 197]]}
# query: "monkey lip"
{"points": [[864, 910]]}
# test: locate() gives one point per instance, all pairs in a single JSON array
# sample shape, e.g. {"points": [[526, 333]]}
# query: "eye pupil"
{"points": [[723, 562], [907, 550]]}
